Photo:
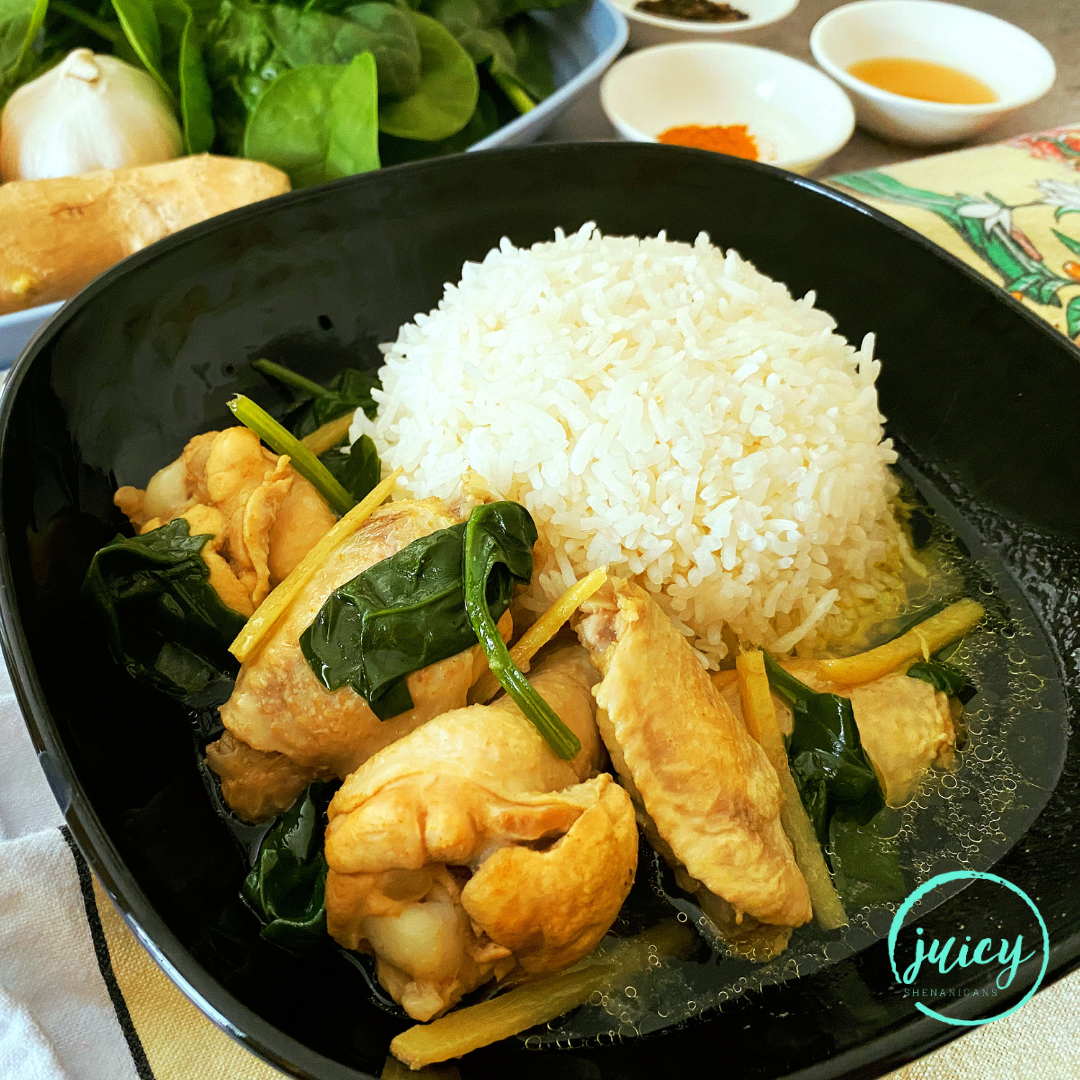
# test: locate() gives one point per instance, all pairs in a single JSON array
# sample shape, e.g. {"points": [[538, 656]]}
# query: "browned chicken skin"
{"points": [[279, 708], [706, 792], [468, 851]]}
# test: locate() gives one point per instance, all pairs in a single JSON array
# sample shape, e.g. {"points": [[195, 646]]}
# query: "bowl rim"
{"points": [[887, 1051], [706, 30], [781, 59], [942, 108]]}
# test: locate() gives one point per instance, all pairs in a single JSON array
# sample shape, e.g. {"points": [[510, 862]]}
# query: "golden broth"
{"points": [[923, 80]]}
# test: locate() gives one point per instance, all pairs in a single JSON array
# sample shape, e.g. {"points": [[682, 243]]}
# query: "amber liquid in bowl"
{"points": [[924, 80]]}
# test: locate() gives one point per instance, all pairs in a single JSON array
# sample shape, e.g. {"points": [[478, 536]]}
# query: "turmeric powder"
{"points": [[733, 139]]}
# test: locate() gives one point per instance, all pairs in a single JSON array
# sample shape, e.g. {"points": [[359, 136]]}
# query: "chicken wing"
{"points": [[706, 793], [468, 851], [278, 707], [264, 517]]}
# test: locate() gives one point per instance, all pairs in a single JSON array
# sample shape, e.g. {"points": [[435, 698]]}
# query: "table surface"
{"points": [[1056, 23]]}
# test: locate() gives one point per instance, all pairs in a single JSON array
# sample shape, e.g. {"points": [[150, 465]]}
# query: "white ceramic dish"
{"points": [[583, 39], [1011, 62], [648, 29], [798, 116]]}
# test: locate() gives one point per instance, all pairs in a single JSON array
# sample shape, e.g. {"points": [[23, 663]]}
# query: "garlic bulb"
{"points": [[87, 113]]}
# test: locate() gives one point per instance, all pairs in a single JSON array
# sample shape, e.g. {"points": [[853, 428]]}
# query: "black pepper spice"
{"points": [[692, 10]]}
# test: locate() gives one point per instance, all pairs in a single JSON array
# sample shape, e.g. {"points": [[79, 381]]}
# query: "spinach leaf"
{"points": [[349, 390], [241, 64], [484, 121], [394, 43], [286, 887], [140, 24], [20, 21], [318, 122], [527, 62], [408, 611], [495, 549], [865, 859], [165, 623], [946, 678], [314, 37], [448, 92], [357, 468], [182, 55], [828, 763]]}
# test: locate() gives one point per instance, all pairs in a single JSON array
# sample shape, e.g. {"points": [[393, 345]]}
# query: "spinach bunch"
{"points": [[319, 88], [295, 95], [828, 762], [408, 611], [163, 36], [286, 888], [165, 624]]}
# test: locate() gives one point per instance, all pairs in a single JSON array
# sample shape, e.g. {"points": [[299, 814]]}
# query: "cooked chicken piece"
{"points": [[905, 725], [279, 707], [468, 851], [257, 785], [264, 517], [705, 791]]}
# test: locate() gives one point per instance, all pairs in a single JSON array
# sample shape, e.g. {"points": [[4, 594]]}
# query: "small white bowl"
{"points": [[1011, 62], [797, 115], [648, 29]]}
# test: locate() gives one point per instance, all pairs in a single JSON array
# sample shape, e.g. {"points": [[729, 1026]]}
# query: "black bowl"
{"points": [[983, 398]]}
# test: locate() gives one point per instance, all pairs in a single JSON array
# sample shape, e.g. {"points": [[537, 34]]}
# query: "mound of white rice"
{"points": [[663, 409]]}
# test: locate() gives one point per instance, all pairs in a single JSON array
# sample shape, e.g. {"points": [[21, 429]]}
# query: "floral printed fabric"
{"points": [[1002, 209]]}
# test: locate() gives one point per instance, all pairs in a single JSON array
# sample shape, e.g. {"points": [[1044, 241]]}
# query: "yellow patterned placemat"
{"points": [[1004, 209]]}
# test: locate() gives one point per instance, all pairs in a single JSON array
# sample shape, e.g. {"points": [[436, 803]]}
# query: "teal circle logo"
{"points": [[1008, 956]]}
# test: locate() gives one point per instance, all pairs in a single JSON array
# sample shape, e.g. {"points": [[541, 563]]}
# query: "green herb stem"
{"points": [[102, 29], [285, 375], [515, 93], [303, 460], [560, 738]]}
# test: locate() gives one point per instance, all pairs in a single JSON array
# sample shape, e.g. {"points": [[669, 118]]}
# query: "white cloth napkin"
{"points": [[57, 1021]]}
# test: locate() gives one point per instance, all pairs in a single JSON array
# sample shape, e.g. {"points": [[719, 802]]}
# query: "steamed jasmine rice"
{"points": [[663, 409]]}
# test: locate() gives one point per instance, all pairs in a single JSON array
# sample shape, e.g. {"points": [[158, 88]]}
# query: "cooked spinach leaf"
{"points": [[498, 548], [408, 611], [357, 468], [165, 623], [346, 392], [946, 678], [286, 887], [828, 763], [865, 859]]}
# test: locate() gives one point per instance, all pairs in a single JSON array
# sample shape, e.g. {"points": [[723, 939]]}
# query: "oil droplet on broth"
{"points": [[963, 819], [923, 80]]}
